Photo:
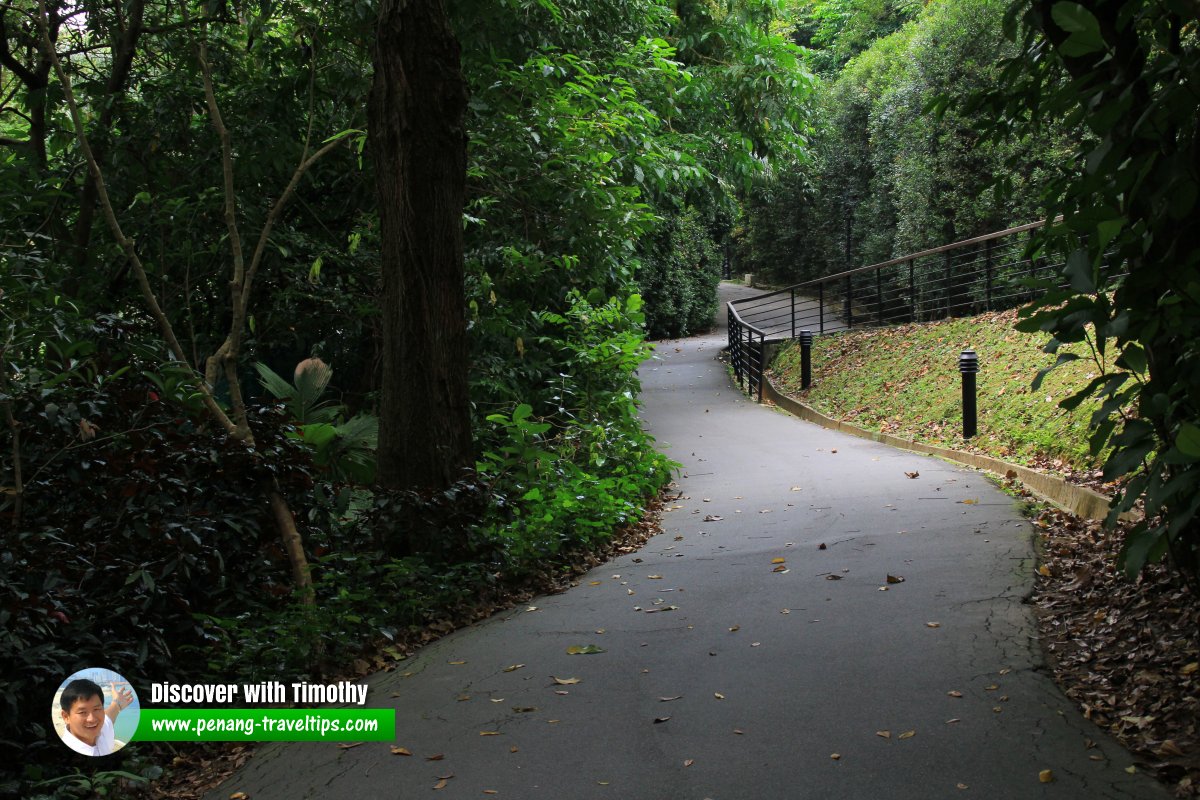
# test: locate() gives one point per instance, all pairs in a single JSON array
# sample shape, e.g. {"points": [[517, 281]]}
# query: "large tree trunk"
{"points": [[419, 145]]}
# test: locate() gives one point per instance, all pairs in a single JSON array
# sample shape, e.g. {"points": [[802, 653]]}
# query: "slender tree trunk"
{"points": [[419, 145], [122, 65]]}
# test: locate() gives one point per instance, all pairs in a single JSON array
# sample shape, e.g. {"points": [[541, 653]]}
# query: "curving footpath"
{"points": [[728, 673]]}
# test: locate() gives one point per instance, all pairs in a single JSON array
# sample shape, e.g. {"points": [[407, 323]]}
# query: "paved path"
{"points": [[759, 676]]}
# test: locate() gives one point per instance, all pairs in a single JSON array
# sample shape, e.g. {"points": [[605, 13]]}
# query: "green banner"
{"points": [[267, 725]]}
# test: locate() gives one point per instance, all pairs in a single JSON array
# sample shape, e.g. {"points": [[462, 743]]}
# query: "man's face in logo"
{"points": [[85, 719]]}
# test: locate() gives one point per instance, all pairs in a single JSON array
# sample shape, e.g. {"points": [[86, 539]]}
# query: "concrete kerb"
{"points": [[1078, 500]]}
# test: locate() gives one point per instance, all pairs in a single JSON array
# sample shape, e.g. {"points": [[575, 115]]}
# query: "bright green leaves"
{"points": [[1188, 440], [1118, 69], [1083, 27]]}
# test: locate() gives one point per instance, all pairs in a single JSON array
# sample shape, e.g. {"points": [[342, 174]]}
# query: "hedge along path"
{"points": [[822, 616]]}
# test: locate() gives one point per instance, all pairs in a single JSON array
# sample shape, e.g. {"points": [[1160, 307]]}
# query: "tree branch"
{"points": [[126, 244], [274, 214], [15, 427]]}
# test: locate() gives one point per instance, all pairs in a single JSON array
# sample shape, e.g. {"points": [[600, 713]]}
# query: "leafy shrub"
{"points": [[679, 277], [134, 517]]}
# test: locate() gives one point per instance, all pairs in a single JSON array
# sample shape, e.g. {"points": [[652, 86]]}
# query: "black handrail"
{"points": [[984, 273]]}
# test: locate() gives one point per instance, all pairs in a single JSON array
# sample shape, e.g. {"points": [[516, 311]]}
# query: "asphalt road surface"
{"points": [[756, 649]]}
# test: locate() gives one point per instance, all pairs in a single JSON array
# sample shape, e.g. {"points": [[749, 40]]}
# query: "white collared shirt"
{"points": [[103, 745]]}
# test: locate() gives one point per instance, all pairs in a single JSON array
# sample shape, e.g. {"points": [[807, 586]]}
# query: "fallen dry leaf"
{"points": [[836, 756], [565, 681], [907, 735], [1189, 669], [718, 695], [584, 650], [689, 762], [933, 624], [401, 751], [456, 663], [513, 668], [833, 577], [778, 560], [735, 628], [437, 757], [669, 699], [513, 749], [239, 796], [658, 720], [1046, 776], [440, 784], [489, 733], [913, 474], [348, 746], [884, 734], [895, 579], [954, 693], [970, 501]]}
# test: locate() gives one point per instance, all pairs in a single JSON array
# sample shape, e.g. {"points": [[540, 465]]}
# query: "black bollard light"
{"points": [[806, 340], [968, 365]]}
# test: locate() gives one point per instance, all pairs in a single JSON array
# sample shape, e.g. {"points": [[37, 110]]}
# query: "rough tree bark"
{"points": [[419, 145]]}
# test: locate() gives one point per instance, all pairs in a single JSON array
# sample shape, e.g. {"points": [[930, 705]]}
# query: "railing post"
{"points": [[946, 280], [821, 303], [806, 340], [879, 296], [762, 362], [849, 304], [793, 293], [912, 289], [735, 346], [987, 260], [968, 365], [749, 360]]}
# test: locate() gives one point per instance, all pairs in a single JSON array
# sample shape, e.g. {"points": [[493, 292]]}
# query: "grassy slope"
{"points": [[904, 380]]}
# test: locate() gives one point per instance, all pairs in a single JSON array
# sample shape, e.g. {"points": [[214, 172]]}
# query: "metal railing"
{"points": [[986, 273]]}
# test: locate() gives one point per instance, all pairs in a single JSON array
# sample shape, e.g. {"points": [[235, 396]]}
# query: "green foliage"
{"points": [[838, 30], [578, 470], [130, 500], [679, 276], [593, 123], [344, 447], [1127, 72], [899, 163]]}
